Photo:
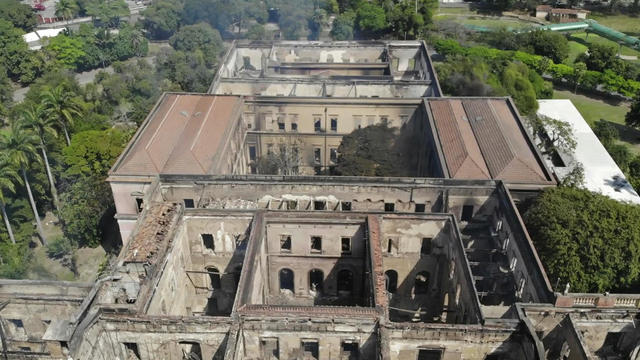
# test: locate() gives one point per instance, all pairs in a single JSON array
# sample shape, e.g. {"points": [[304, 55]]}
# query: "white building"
{"points": [[601, 173]]}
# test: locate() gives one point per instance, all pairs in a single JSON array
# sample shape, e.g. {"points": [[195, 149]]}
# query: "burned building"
{"points": [[221, 263]]}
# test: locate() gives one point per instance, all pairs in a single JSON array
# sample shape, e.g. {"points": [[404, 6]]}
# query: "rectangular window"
{"points": [[319, 205], [317, 155], [294, 126], [189, 204], [252, 153], [384, 119], [349, 350], [389, 207], [316, 244], [429, 354], [317, 127], [391, 244], [420, 208], [345, 205], [254, 169], [333, 155], [281, 124], [412, 64], [345, 245], [285, 243], [310, 349], [425, 249], [17, 323], [334, 124], [270, 349], [139, 204], [467, 213], [207, 240], [357, 121]]}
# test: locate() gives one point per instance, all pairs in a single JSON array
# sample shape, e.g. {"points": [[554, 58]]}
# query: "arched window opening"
{"points": [[391, 277], [214, 276], [286, 279], [345, 282], [421, 284], [316, 278]]}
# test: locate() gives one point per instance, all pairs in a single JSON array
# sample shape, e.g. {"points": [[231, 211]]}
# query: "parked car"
{"points": [[39, 7]]}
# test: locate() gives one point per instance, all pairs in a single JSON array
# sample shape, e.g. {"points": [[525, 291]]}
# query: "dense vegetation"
{"points": [[475, 72], [587, 240], [374, 150]]}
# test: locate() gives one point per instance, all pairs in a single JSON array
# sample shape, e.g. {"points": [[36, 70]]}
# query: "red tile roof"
{"points": [[482, 139], [180, 136]]}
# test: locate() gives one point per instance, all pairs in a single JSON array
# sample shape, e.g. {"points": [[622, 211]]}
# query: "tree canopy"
{"points": [[371, 151], [19, 14], [587, 240]]}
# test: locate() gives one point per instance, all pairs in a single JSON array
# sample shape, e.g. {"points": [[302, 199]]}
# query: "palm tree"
{"points": [[8, 179], [62, 107], [33, 117], [20, 147], [66, 9]]}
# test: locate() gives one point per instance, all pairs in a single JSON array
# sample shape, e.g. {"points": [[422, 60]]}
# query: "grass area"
{"points": [[490, 22], [624, 23], [584, 39], [575, 50], [593, 109]]}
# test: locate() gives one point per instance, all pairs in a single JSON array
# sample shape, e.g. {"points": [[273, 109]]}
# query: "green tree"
{"points": [[21, 63], [199, 37], [69, 51], [586, 239], [67, 9], [550, 44], [63, 107], [83, 210], [9, 177], [108, 12], [93, 152], [514, 80], [189, 70], [316, 22], [632, 118], [559, 134], [162, 19], [20, 145], [343, 24], [19, 14], [371, 20], [371, 151], [579, 70], [405, 21], [34, 118], [256, 32], [606, 132], [621, 155], [601, 57]]}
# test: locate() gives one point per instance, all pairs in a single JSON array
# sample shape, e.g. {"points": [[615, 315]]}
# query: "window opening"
{"points": [[207, 240]]}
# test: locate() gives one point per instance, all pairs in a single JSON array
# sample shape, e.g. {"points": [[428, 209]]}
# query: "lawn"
{"points": [[583, 39], [575, 50], [490, 22], [593, 109], [624, 23]]}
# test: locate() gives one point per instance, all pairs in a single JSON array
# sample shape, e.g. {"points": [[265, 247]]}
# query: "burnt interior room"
{"points": [[427, 279]]}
